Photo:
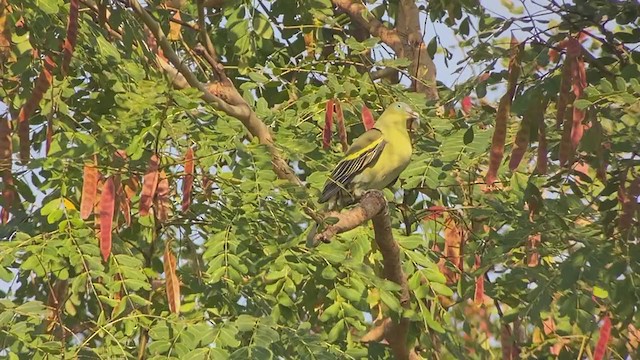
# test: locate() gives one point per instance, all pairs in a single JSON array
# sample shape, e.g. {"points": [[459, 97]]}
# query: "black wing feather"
{"points": [[346, 170]]}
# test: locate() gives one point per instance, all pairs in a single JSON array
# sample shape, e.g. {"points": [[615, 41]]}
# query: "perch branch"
{"points": [[392, 270], [373, 206], [371, 203]]}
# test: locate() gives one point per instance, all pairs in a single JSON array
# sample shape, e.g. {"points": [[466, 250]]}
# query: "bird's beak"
{"points": [[413, 122]]}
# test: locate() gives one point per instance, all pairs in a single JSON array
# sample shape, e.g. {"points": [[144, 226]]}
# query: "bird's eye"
{"points": [[398, 106]]}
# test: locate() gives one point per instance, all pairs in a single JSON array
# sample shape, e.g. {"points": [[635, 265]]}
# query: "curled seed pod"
{"points": [[187, 182], [172, 281], [41, 86], [603, 340], [90, 176], [150, 183], [107, 209], [342, 129], [72, 35], [328, 125], [367, 118], [502, 117]]}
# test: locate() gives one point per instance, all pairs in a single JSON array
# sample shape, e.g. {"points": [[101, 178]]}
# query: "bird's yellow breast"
{"points": [[392, 161]]}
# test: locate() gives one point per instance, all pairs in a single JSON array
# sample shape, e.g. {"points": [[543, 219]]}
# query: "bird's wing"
{"points": [[363, 152]]}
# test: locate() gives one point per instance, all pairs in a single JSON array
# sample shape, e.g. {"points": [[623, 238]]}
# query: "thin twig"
{"points": [[205, 40]]}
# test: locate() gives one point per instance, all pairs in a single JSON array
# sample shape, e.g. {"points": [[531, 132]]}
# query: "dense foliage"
{"points": [[145, 220]]}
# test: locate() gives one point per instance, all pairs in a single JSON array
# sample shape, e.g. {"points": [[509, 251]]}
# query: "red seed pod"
{"points": [[342, 129], [90, 176], [41, 86], [566, 150], [603, 340], [72, 35], [187, 182], [466, 105], [172, 282], [563, 95], [107, 209], [149, 185], [6, 150], [502, 117], [367, 118], [328, 125], [579, 83]]}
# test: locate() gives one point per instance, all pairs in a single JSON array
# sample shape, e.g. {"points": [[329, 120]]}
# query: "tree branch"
{"points": [[97, 13], [378, 332], [392, 270], [176, 78], [204, 36], [222, 95], [373, 206], [359, 13], [422, 69], [217, 68]]}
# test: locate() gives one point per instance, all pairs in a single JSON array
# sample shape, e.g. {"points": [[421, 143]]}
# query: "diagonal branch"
{"points": [[406, 40], [223, 96], [359, 13], [370, 205], [373, 206], [205, 40]]}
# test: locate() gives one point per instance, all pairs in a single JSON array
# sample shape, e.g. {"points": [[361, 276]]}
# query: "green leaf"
{"points": [[159, 347], [107, 50], [245, 322], [600, 292], [330, 312], [5, 317], [336, 331], [252, 352], [261, 26], [32, 308], [51, 347], [468, 136], [430, 321], [349, 294], [126, 260], [390, 300], [582, 104], [411, 242], [258, 77], [432, 47], [49, 6], [329, 273], [441, 289], [159, 332], [275, 275], [139, 300], [621, 84]]}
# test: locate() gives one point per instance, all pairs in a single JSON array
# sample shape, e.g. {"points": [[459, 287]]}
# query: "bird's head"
{"points": [[400, 114]]}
